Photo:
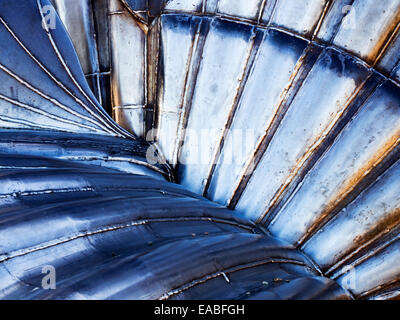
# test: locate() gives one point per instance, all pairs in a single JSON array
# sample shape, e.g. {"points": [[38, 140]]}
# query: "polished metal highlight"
{"points": [[286, 112]]}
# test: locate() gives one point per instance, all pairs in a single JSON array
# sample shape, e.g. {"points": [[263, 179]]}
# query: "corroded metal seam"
{"points": [[300, 74], [317, 42]]}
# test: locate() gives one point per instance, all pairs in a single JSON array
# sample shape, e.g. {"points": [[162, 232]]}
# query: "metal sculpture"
{"points": [[280, 111]]}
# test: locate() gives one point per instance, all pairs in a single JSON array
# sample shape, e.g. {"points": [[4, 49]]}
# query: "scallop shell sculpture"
{"points": [[253, 151]]}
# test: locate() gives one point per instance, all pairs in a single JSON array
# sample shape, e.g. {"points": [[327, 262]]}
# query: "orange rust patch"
{"points": [[385, 40], [352, 183]]}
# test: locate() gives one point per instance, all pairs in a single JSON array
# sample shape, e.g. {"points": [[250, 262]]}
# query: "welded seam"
{"points": [[96, 60], [99, 73], [137, 17], [271, 15], [30, 54], [288, 94], [130, 107], [225, 273], [336, 31], [321, 19], [45, 96], [387, 44], [290, 183], [364, 247], [46, 114], [342, 200], [261, 11], [47, 191], [200, 45], [182, 109], [115, 159], [48, 244], [392, 289], [316, 42], [101, 116], [98, 189], [248, 67], [32, 125], [204, 6], [335, 274], [153, 87]]}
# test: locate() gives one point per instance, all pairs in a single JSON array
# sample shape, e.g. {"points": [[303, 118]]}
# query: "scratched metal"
{"points": [[286, 111]]}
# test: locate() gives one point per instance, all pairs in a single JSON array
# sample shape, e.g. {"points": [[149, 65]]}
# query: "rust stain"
{"points": [[263, 142], [383, 287], [365, 241], [381, 228], [308, 154], [385, 40], [248, 66], [351, 185]]}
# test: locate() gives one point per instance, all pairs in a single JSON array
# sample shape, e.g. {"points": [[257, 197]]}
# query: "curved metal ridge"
{"points": [[93, 223]]}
